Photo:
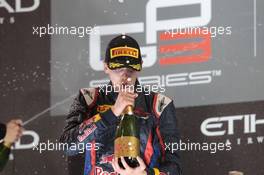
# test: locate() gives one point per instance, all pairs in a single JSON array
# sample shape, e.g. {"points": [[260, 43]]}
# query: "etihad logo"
{"points": [[215, 126], [123, 51], [229, 125]]}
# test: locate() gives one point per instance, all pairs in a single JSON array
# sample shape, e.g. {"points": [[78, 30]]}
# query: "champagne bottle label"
{"points": [[127, 146]]}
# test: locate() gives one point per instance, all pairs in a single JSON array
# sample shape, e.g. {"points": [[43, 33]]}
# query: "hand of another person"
{"points": [[14, 131]]}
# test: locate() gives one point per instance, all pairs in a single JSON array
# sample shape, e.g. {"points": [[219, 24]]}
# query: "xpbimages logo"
{"points": [[164, 46], [236, 129]]}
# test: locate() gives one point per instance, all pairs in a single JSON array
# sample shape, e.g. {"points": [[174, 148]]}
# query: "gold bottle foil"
{"points": [[129, 110]]}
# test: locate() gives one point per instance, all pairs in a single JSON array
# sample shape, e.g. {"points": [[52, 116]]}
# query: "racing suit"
{"points": [[92, 123]]}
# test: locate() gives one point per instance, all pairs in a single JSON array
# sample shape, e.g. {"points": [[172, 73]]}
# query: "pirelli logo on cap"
{"points": [[124, 51]]}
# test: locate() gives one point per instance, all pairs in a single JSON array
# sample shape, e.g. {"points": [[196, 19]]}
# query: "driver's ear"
{"points": [[106, 69]]}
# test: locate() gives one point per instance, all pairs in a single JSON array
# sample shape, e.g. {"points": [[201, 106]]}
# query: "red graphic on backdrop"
{"points": [[203, 45]]}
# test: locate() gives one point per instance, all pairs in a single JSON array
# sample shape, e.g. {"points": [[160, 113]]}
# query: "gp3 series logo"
{"points": [[152, 27], [18, 6], [172, 80]]}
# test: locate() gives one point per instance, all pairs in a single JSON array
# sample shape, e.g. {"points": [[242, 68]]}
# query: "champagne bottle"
{"points": [[4, 154], [127, 143]]}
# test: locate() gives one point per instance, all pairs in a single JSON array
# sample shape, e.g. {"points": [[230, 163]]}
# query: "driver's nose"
{"points": [[126, 72]]}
